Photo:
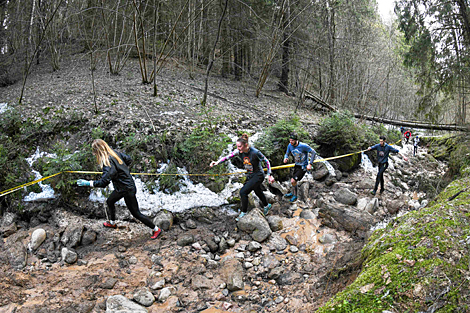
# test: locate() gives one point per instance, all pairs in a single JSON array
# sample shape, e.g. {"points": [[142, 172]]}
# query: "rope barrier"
{"points": [[8, 191]]}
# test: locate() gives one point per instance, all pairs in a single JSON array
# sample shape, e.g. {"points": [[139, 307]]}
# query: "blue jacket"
{"points": [[300, 153], [383, 151]]}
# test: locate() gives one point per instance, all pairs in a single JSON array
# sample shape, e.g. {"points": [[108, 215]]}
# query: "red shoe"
{"points": [[156, 233], [108, 224]]}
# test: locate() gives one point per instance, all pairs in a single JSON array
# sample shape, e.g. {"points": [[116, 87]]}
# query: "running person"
{"points": [[407, 136], [383, 150], [415, 145], [252, 159], [300, 152], [116, 170]]}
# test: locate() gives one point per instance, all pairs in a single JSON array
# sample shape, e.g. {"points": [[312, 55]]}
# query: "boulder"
{"points": [[144, 297], [164, 220], [120, 304], [372, 206], [17, 255], [6, 231], [232, 274], [89, 237], [290, 278], [345, 196], [37, 238], [164, 294], [276, 242], [307, 214], [185, 240], [362, 203], [72, 235], [345, 218], [69, 256], [321, 173], [256, 225], [275, 222], [254, 246], [200, 282]]}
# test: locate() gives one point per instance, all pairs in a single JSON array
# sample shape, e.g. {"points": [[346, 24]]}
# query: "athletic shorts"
{"points": [[298, 173]]}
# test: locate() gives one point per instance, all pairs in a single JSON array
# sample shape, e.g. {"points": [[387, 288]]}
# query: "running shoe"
{"points": [[373, 192], [240, 216], [156, 233], [293, 199], [288, 195], [266, 209], [108, 224]]}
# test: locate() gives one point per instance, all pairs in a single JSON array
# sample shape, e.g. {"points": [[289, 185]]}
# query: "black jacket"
{"points": [[117, 173]]}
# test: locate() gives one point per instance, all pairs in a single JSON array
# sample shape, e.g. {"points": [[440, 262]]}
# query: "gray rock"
{"points": [[232, 273], [120, 304], [307, 214], [254, 246], [200, 282], [190, 223], [395, 205], [276, 242], [303, 190], [213, 246], [223, 245], [17, 255], [231, 242], [9, 218], [293, 249], [278, 186], [372, 206], [69, 256], [185, 240], [330, 180], [89, 237], [9, 308], [144, 297], [164, 294], [133, 260], [37, 238], [345, 218], [345, 196], [164, 220], [275, 273], [8, 230], [290, 278], [362, 203], [108, 283], [256, 225], [275, 223], [159, 284], [270, 262], [321, 173], [327, 238], [248, 265], [72, 235]]}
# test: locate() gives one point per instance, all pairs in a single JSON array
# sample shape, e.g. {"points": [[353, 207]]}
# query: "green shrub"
{"points": [[197, 150], [66, 160]]}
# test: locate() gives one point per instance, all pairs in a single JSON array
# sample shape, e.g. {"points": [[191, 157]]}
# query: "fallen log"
{"points": [[414, 124]]}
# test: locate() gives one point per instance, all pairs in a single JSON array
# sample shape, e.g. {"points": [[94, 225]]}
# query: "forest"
{"points": [[413, 68]]}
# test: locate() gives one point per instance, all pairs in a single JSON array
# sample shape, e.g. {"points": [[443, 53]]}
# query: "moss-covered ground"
{"points": [[418, 263]]}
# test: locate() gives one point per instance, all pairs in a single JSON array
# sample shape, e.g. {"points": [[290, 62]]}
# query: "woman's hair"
{"points": [[243, 139], [102, 152]]}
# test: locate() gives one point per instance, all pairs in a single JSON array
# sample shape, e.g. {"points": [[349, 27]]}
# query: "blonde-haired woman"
{"points": [[115, 167]]}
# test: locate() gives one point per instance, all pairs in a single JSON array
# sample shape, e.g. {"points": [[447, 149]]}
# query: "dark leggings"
{"points": [[415, 150], [132, 205], [253, 184], [380, 176]]}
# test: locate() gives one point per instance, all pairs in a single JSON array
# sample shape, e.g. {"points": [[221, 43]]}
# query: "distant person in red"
{"points": [[407, 136]]}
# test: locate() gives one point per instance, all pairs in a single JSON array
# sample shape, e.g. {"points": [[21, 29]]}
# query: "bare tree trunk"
{"points": [[212, 55], [331, 48], [30, 62]]}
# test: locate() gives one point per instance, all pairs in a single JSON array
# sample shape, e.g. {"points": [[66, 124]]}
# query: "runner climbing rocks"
{"points": [[300, 152], [383, 150], [415, 145], [407, 136], [252, 159], [116, 170]]}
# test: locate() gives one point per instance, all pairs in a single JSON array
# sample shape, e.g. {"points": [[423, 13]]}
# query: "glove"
{"points": [[82, 182]]}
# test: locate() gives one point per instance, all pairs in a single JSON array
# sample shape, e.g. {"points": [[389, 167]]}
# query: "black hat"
{"points": [[293, 136]]}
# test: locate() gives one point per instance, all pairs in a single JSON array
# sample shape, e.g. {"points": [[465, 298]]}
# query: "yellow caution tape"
{"points": [[8, 191]]}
